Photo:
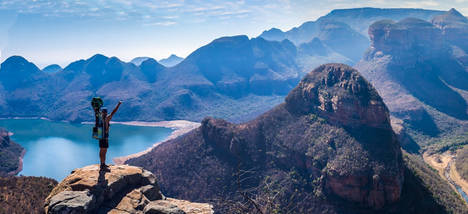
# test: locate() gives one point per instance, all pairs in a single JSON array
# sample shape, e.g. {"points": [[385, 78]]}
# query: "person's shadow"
{"points": [[102, 178]]}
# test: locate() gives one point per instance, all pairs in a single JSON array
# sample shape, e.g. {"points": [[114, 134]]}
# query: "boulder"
{"points": [[122, 189]]}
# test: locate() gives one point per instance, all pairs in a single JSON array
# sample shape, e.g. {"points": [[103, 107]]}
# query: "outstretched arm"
{"points": [[115, 110]]}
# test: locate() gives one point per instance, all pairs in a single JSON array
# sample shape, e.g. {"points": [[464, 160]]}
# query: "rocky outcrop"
{"points": [[11, 155], [343, 97], [123, 189], [454, 27], [331, 139], [340, 94], [408, 39], [419, 70]]}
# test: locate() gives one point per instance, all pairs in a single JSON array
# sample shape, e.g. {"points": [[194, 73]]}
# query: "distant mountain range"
{"points": [[420, 69], [344, 31], [235, 77], [210, 76], [171, 61]]}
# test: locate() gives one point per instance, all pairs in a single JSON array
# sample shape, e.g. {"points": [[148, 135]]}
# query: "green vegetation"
{"points": [[24, 194], [452, 133], [427, 190], [10, 153]]}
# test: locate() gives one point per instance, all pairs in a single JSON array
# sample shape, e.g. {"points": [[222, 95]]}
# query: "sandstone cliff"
{"points": [[329, 147], [419, 69], [124, 189], [454, 27]]}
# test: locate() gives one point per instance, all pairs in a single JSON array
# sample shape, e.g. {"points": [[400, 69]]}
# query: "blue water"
{"points": [[459, 189], [54, 149]]}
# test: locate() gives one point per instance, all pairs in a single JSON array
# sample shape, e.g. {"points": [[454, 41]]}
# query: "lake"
{"points": [[54, 149]]}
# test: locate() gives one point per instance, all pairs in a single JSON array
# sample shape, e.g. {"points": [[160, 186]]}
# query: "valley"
{"points": [[363, 110], [445, 165]]}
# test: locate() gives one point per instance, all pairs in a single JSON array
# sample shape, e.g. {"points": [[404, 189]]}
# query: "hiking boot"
{"points": [[104, 167]]}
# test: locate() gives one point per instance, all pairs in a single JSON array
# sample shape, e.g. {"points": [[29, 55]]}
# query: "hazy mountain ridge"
{"points": [[138, 60], [54, 68], [171, 61], [192, 89], [344, 31], [251, 76], [420, 71], [359, 19]]}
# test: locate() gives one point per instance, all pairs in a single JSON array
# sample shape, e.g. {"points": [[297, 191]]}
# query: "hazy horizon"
{"points": [[52, 32]]}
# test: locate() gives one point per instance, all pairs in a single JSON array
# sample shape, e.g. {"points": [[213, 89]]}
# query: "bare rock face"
{"points": [[124, 189], [454, 27], [415, 64], [341, 94], [406, 40]]}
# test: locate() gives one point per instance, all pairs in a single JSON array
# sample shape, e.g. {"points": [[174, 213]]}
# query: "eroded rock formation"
{"points": [[124, 189], [331, 138]]}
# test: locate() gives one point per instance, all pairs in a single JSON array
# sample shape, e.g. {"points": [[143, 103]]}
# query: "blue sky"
{"points": [[46, 31]]}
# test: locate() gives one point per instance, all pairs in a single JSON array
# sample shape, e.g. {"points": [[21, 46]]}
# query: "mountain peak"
{"points": [[340, 93], [15, 60], [451, 18], [273, 31], [17, 64], [52, 68], [454, 12], [138, 60], [171, 61], [238, 38], [97, 57], [274, 34]]}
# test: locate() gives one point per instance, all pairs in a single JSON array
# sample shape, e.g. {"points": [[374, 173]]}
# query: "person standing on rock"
{"points": [[104, 141]]}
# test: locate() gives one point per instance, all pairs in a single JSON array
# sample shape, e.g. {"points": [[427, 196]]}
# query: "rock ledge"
{"points": [[124, 189]]}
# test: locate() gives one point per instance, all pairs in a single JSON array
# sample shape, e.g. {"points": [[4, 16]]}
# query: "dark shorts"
{"points": [[104, 143]]}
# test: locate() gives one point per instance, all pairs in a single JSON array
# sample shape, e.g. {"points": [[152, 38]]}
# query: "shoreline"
{"points": [[179, 127], [20, 164], [26, 118]]}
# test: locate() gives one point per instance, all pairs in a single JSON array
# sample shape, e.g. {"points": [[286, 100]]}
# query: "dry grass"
{"points": [[24, 194]]}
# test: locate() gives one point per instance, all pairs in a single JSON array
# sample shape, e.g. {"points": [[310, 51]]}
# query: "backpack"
{"points": [[98, 129]]}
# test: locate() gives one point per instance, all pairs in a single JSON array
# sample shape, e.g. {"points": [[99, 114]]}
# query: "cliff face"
{"points": [[125, 189], [454, 27], [10, 155], [331, 139], [419, 69], [344, 98], [406, 39]]}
